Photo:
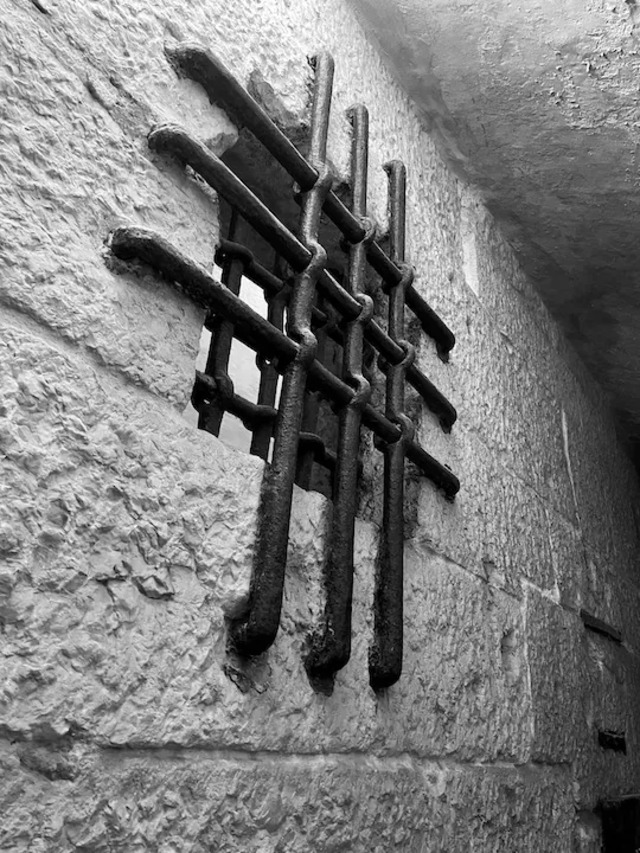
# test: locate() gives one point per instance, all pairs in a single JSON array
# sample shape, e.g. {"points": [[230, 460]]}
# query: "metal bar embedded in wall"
{"points": [[385, 659], [311, 410], [256, 630], [258, 334], [199, 64], [268, 390], [211, 412], [331, 650], [174, 140]]}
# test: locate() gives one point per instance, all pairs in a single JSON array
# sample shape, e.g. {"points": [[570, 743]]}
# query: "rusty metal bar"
{"points": [[332, 649], [210, 413], [268, 390], [252, 415], [256, 630], [385, 658], [309, 426], [271, 283], [321, 453], [199, 64], [258, 334]]}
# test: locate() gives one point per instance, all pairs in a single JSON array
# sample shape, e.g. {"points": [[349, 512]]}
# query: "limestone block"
{"points": [[610, 681], [569, 561], [464, 690], [176, 801], [116, 594], [70, 175], [605, 594], [496, 526], [501, 398], [552, 654], [605, 490]]}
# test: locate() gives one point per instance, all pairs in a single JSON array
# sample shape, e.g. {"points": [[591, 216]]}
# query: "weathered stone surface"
{"points": [[497, 525], [179, 801], [606, 491], [588, 833], [609, 702], [552, 655], [127, 536], [464, 690], [568, 559]]}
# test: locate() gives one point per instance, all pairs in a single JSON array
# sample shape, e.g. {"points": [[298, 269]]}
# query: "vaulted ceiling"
{"points": [[538, 104]]}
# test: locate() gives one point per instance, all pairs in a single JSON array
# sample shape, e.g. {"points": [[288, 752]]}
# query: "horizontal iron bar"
{"points": [[223, 89], [257, 333], [251, 414], [322, 455]]}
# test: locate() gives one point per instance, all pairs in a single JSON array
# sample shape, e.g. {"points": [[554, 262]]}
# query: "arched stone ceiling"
{"points": [[538, 103]]}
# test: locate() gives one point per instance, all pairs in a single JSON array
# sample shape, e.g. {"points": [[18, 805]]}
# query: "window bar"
{"points": [[257, 333], [345, 316], [210, 414], [310, 441], [255, 631], [200, 65], [268, 390], [332, 649], [174, 140], [385, 659]]}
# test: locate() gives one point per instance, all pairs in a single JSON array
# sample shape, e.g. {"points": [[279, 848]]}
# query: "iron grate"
{"points": [[345, 315]]}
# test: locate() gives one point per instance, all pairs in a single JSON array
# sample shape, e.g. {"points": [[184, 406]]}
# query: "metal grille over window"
{"points": [[309, 311]]}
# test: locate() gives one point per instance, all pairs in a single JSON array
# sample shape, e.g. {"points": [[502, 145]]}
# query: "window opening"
{"points": [[321, 337]]}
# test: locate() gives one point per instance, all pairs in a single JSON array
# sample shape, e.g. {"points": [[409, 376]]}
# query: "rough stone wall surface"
{"points": [[126, 535]]}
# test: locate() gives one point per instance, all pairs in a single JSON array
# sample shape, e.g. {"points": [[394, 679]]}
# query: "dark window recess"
{"points": [[620, 825], [319, 336], [614, 741]]}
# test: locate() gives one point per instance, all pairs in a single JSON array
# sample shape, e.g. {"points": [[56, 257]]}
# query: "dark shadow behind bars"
{"points": [[346, 315]]}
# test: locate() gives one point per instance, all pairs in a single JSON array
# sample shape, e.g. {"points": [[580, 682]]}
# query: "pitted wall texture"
{"points": [[126, 535]]}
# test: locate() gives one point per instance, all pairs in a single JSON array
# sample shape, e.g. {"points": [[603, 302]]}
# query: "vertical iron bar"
{"points": [[306, 454], [331, 651], [268, 391], [217, 366], [385, 659], [256, 630]]}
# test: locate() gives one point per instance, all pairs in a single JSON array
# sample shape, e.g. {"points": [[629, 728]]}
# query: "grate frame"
{"points": [[346, 316]]}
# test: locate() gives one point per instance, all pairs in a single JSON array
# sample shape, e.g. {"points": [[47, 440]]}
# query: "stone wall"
{"points": [[126, 534]]}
